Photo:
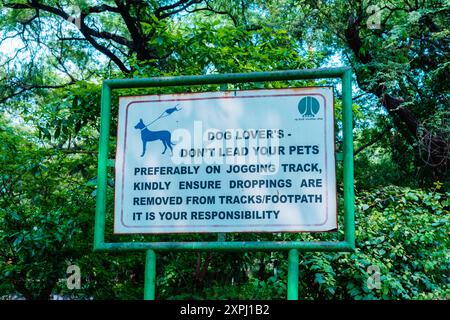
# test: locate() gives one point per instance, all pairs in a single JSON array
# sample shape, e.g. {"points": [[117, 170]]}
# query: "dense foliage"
{"points": [[53, 56]]}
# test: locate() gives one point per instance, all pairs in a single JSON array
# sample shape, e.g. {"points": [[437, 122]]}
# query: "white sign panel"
{"points": [[244, 161]]}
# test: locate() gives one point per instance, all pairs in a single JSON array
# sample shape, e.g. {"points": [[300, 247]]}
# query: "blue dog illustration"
{"points": [[147, 135]]}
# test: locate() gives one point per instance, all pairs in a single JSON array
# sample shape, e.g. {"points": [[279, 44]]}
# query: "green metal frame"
{"points": [[348, 244]]}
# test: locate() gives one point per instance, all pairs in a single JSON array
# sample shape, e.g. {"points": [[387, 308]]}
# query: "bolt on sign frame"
{"points": [[348, 244]]}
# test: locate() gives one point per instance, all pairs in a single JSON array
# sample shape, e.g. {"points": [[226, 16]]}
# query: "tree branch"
{"points": [[211, 9], [25, 88], [174, 8], [87, 32], [101, 8]]}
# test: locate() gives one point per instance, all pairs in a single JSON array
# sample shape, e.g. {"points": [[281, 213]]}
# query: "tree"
{"points": [[40, 212], [403, 62], [57, 53]]}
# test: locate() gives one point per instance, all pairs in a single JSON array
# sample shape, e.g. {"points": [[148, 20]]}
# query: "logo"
{"points": [[308, 107]]}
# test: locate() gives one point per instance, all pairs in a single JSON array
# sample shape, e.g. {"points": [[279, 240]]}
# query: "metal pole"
{"points": [[349, 196], [102, 173], [292, 285], [150, 275], [328, 246], [226, 78]]}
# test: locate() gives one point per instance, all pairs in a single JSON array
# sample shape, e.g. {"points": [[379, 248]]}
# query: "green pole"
{"points": [[349, 196], [226, 78], [292, 286], [150, 275], [102, 174], [328, 246]]}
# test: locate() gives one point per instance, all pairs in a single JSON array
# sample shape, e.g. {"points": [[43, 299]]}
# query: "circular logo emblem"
{"points": [[308, 106]]}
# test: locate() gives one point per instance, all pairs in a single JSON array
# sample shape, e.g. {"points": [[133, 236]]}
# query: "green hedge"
{"points": [[402, 233]]}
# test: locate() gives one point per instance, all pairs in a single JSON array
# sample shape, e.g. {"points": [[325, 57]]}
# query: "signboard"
{"points": [[242, 161]]}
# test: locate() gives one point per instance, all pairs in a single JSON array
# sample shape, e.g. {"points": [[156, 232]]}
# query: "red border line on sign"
{"points": [[225, 226]]}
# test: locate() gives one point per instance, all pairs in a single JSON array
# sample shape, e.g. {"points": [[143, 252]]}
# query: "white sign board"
{"points": [[244, 161]]}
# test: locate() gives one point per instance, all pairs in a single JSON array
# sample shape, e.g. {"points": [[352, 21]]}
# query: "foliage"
{"points": [[41, 213], [50, 75], [404, 63], [401, 231]]}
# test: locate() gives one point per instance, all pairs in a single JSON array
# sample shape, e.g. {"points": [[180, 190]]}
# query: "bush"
{"points": [[401, 234]]}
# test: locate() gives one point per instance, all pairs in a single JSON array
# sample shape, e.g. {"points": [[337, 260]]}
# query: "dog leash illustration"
{"points": [[165, 113]]}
